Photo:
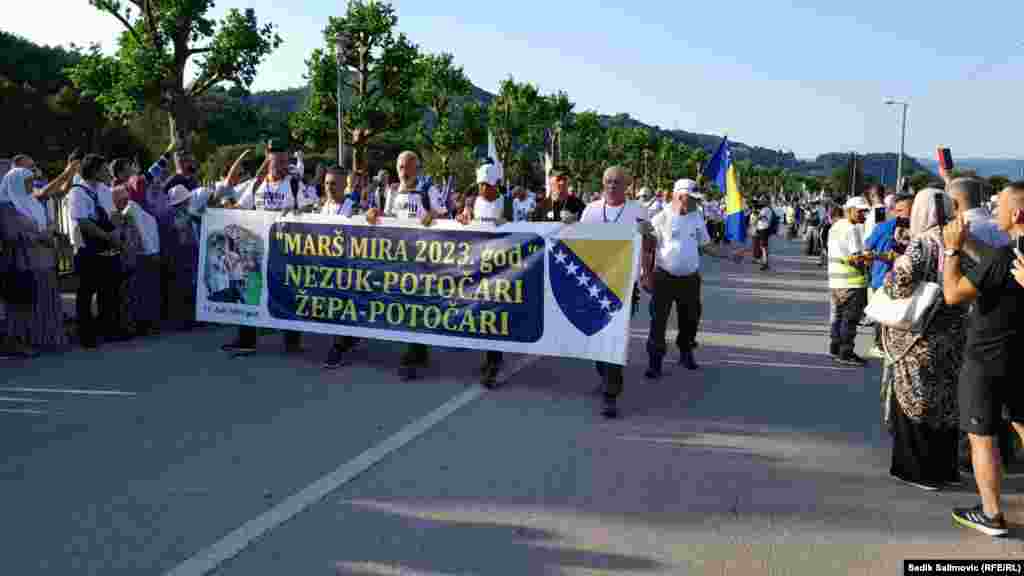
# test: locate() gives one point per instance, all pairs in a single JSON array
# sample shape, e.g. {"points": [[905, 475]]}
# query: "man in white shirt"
{"points": [[278, 192], [337, 204], [522, 205], [97, 250], [614, 208], [968, 196], [681, 236], [413, 200], [489, 208]]}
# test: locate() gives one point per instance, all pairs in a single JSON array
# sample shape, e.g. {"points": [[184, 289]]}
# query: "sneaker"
{"points": [[851, 359], [764, 268], [610, 409], [976, 518], [922, 484], [238, 347], [335, 358]]}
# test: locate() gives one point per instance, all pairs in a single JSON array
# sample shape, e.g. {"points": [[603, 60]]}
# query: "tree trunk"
{"points": [[180, 121]]}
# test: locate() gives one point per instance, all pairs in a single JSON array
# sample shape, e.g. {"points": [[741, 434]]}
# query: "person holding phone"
{"points": [[990, 378], [848, 280]]}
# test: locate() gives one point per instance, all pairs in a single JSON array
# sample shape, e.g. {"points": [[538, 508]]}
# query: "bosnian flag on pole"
{"points": [[721, 170]]}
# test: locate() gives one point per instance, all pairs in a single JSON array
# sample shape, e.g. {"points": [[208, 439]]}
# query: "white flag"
{"points": [[492, 151]]}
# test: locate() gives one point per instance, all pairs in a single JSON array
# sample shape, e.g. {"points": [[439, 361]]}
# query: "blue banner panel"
{"points": [[484, 285]]}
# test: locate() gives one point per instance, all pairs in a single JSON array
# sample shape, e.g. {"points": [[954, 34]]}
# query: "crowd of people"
{"points": [[940, 276], [135, 240]]}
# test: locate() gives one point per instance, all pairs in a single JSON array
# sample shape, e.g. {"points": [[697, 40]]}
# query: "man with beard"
{"points": [[278, 192], [415, 199]]}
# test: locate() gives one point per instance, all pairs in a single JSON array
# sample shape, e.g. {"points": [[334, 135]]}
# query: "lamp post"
{"points": [[903, 136], [340, 48]]}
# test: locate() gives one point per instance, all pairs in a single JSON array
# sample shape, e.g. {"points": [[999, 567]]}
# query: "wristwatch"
{"points": [[950, 252]]}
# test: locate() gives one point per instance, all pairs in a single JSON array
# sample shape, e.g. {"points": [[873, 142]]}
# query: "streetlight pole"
{"points": [[340, 47], [903, 136]]}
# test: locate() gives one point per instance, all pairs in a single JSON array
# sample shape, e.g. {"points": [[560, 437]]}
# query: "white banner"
{"points": [[533, 288]]}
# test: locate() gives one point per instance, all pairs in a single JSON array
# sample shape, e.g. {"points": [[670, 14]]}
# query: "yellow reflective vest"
{"points": [[845, 240]]}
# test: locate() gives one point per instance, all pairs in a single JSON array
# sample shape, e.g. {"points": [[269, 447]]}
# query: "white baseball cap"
{"points": [[487, 174], [858, 203], [684, 185]]}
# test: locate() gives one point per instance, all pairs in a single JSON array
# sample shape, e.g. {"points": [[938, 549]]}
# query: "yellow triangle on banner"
{"points": [[611, 260]]}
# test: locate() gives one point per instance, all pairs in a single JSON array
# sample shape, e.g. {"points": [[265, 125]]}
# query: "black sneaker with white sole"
{"points": [[335, 358], [975, 518], [922, 484], [851, 359]]}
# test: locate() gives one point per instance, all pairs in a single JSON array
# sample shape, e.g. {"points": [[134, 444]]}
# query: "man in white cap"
{"points": [[848, 266], [488, 208], [682, 236]]}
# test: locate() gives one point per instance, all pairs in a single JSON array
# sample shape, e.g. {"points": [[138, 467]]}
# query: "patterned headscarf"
{"points": [[12, 189], [924, 216]]}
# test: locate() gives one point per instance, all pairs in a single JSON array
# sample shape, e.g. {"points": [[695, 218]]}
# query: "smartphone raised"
{"points": [[879, 215], [945, 158], [940, 208], [1019, 247]]}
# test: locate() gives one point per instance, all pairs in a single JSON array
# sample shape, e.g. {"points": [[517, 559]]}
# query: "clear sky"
{"points": [[802, 75]]}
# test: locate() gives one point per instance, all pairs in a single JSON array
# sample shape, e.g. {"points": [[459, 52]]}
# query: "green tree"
{"points": [[511, 116], [998, 183], [443, 89], [584, 148], [159, 40], [378, 84]]}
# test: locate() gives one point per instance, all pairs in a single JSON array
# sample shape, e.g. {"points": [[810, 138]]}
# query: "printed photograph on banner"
{"points": [[234, 265], [590, 280]]}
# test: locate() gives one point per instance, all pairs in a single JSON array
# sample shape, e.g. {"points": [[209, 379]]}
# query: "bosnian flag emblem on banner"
{"points": [[589, 279]]}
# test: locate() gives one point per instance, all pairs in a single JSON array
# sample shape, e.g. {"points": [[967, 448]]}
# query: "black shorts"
{"points": [[982, 394]]}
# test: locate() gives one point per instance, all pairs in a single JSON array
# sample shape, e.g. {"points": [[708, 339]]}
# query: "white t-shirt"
{"points": [[273, 196], [332, 208], [655, 206], [521, 209], [764, 219], [488, 212], [629, 213], [81, 207], [406, 205], [147, 227], [679, 238]]}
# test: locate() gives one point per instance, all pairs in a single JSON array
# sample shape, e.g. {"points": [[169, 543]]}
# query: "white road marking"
{"points": [[783, 365], [23, 400], [22, 411], [238, 540], [67, 391]]}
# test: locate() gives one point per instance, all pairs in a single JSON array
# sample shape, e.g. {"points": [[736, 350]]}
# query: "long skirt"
{"points": [[180, 284], [144, 290], [40, 323], [921, 453]]}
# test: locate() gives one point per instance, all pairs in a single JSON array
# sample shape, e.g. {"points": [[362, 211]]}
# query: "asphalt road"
{"points": [[167, 456]]}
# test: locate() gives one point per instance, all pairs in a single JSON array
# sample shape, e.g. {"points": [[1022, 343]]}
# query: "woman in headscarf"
{"points": [[919, 391], [35, 315]]}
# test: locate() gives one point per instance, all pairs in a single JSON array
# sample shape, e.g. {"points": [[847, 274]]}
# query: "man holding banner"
{"points": [[413, 199], [614, 208], [488, 208], [339, 205], [279, 192]]}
